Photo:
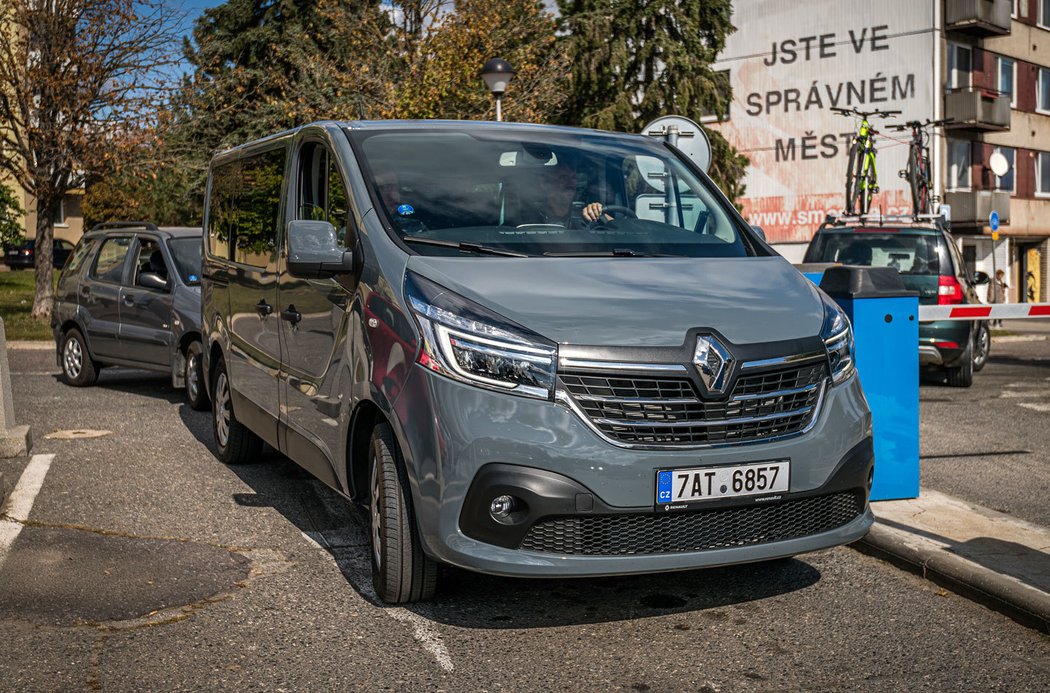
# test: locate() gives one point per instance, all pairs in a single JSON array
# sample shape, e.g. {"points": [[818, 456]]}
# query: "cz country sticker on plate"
{"points": [[674, 486]]}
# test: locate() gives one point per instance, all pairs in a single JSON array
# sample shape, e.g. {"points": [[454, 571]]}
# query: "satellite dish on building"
{"points": [[998, 163], [683, 133]]}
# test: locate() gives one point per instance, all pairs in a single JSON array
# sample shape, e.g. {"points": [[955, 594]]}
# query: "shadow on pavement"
{"points": [[471, 600], [136, 382]]}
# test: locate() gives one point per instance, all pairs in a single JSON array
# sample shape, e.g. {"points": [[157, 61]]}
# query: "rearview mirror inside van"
{"points": [[314, 251]]}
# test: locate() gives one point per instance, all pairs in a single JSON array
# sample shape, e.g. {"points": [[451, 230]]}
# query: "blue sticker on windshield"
{"points": [[405, 210], [193, 278]]}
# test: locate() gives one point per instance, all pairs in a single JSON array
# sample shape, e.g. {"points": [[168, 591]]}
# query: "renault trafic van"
{"points": [[528, 351]]}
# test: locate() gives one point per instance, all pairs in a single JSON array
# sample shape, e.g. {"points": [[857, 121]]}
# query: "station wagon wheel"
{"points": [[236, 443], [78, 369], [982, 346], [196, 397], [401, 571]]}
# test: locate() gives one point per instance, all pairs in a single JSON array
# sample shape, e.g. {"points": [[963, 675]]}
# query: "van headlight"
{"points": [[838, 340], [471, 343]]}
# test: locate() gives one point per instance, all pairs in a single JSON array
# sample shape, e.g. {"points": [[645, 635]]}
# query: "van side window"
{"points": [[220, 209], [322, 193], [258, 206], [110, 263]]}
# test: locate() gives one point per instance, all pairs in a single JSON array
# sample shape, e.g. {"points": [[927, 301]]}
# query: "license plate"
{"points": [[710, 483]]}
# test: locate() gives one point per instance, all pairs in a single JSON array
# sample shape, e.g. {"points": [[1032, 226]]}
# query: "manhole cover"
{"points": [[77, 434]]}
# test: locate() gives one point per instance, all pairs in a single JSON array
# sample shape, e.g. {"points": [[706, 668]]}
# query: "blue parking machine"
{"points": [[885, 318]]}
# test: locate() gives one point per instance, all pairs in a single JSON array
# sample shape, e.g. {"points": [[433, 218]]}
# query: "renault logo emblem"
{"points": [[713, 363]]}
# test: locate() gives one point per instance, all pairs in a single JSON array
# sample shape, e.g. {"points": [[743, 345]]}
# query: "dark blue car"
{"points": [[24, 256]]}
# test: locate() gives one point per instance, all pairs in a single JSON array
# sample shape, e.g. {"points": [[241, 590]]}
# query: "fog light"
{"points": [[501, 506]]}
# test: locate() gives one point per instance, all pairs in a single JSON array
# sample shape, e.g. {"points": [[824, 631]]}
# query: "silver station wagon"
{"points": [[528, 351]]}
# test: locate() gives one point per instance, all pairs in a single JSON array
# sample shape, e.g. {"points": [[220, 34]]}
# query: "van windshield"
{"points": [[915, 254], [527, 191]]}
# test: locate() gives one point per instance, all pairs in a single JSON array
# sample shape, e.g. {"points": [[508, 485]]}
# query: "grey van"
{"points": [[528, 351], [130, 296]]}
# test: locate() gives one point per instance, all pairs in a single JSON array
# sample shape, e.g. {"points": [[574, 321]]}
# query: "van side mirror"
{"points": [[758, 230], [314, 251], [981, 278], [152, 280]]}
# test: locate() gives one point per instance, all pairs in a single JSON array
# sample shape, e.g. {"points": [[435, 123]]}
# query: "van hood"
{"points": [[644, 302]]}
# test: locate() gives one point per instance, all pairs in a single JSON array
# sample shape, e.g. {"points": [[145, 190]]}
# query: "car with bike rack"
{"points": [[921, 248]]}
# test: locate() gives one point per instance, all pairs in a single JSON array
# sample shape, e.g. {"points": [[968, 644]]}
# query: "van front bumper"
{"points": [[590, 505]]}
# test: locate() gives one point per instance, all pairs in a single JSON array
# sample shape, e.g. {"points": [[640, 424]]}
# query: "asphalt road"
{"points": [[990, 443], [146, 564]]}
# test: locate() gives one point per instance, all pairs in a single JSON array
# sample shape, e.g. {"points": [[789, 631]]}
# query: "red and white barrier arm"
{"points": [[997, 311]]}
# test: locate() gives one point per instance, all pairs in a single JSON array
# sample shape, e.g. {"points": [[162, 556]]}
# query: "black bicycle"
{"points": [[862, 177], [917, 172]]}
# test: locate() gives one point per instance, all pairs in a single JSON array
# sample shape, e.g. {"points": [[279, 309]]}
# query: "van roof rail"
{"points": [[148, 225]]}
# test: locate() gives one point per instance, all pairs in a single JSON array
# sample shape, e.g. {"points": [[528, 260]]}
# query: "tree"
{"points": [[11, 231], [636, 60], [77, 80]]}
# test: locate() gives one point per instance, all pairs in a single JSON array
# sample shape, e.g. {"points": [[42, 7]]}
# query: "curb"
{"points": [[1003, 593]]}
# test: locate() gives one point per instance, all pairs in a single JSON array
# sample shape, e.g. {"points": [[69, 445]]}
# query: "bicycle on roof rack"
{"points": [[917, 172], [862, 178]]}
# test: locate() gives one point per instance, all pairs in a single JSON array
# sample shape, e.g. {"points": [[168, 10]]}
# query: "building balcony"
{"points": [[978, 17], [972, 208], [974, 109]]}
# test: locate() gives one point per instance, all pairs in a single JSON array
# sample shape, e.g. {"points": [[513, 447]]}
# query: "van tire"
{"points": [[78, 368], [401, 571], [193, 375], [961, 375], [235, 442]]}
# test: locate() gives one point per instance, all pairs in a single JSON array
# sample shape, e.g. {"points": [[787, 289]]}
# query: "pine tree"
{"points": [[636, 60]]}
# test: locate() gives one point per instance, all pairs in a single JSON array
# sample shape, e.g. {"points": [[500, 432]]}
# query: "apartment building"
{"points": [[983, 63]]}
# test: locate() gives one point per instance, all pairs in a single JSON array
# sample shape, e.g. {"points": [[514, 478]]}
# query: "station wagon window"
{"points": [[109, 266], [80, 254], [258, 204], [220, 209], [150, 259]]}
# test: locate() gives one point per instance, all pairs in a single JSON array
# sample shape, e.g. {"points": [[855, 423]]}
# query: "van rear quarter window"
{"points": [[221, 210]]}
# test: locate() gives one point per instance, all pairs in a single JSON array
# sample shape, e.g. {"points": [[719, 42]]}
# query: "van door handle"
{"points": [[129, 300], [263, 308], [291, 315]]}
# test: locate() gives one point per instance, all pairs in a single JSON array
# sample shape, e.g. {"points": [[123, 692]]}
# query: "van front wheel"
{"points": [[401, 572]]}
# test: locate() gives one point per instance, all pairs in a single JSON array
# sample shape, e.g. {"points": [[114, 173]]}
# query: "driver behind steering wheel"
{"points": [[558, 193]]}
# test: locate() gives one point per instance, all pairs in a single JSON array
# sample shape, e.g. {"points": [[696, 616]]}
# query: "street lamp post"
{"points": [[497, 74]]}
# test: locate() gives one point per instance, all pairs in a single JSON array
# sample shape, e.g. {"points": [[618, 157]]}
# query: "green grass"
{"points": [[16, 300]]}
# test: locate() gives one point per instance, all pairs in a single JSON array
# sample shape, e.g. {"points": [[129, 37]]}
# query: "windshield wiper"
{"points": [[465, 246], [615, 252]]}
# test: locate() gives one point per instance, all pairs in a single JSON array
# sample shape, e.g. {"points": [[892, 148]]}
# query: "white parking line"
{"points": [[1035, 406], [356, 562], [16, 509]]}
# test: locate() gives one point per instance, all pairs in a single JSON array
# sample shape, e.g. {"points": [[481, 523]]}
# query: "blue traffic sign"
{"points": [[993, 220]]}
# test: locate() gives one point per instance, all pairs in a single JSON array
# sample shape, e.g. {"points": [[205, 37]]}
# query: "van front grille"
{"points": [[700, 530], [667, 410]]}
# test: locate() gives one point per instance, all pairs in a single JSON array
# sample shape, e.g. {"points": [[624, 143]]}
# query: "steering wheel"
{"points": [[612, 210]]}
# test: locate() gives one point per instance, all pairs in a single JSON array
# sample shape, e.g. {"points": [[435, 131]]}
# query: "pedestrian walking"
{"points": [[997, 292]]}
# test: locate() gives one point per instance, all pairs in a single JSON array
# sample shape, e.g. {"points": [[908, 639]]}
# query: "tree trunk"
{"points": [[44, 251]]}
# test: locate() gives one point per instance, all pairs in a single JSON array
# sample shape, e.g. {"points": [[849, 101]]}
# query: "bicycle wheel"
{"points": [[924, 186], [854, 164], [867, 183], [913, 182]]}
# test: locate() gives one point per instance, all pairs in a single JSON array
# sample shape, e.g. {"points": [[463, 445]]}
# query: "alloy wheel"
{"points": [[222, 410], [73, 358]]}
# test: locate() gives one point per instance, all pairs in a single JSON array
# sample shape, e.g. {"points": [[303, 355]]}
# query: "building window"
{"points": [[1042, 90], [708, 115], [1007, 79], [1006, 183], [958, 165], [59, 218], [1044, 14], [1014, 9], [1042, 174], [960, 66]]}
